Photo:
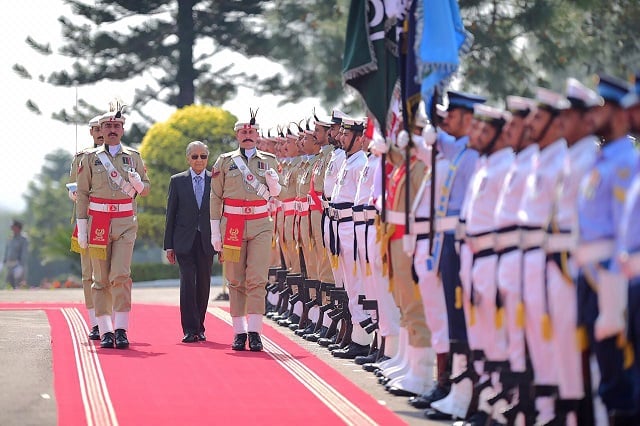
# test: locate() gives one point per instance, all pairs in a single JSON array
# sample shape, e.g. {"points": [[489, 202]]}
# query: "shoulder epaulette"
{"points": [[267, 154]]}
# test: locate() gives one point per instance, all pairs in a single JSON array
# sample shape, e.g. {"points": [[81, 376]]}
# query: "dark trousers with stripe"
{"points": [[450, 273], [616, 383]]}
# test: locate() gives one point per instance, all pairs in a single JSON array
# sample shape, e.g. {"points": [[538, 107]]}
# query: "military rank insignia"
{"points": [[233, 167]]}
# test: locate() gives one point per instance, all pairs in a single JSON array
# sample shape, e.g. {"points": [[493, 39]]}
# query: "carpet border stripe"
{"points": [[93, 387], [333, 399]]}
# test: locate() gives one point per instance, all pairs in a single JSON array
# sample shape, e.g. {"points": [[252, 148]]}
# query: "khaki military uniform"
{"points": [[99, 196], [85, 261], [306, 241], [232, 197], [288, 198], [317, 184], [403, 287]]}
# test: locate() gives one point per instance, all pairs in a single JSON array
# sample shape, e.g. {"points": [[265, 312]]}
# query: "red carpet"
{"points": [[161, 381]]}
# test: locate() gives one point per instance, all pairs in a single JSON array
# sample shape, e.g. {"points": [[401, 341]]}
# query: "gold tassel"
{"points": [[499, 318], [377, 224], [98, 253], [458, 304], [621, 341], [273, 242], [231, 254], [355, 269], [368, 269], [416, 291], [520, 315], [334, 262], [472, 315], [385, 266], [391, 285], [75, 247], [547, 330], [581, 338], [629, 356]]}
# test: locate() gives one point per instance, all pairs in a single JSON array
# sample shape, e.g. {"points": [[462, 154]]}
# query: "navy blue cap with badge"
{"points": [[464, 100], [612, 89]]}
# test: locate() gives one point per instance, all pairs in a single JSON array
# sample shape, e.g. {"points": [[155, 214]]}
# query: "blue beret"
{"points": [[464, 100], [612, 89]]}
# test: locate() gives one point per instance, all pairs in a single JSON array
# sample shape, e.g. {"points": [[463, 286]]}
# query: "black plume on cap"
{"points": [[253, 114]]}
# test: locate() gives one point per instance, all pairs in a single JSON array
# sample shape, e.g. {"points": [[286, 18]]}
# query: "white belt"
{"points": [[289, 205], [630, 264], [359, 216], [594, 251], [342, 213], [480, 243], [110, 208], [396, 217], [246, 209], [370, 214], [447, 223], [561, 242], [507, 239], [301, 206], [532, 238]]}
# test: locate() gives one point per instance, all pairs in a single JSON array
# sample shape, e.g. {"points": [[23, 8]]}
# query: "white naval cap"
{"points": [[337, 116], [550, 100], [95, 121], [490, 114], [580, 96], [441, 111], [519, 105]]}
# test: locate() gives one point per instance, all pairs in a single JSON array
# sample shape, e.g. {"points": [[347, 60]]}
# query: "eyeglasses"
{"points": [[202, 156]]}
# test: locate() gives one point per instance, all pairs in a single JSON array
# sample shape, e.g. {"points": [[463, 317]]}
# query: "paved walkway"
{"points": [[26, 395]]}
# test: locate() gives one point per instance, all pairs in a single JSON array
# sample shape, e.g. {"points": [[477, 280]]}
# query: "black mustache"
{"points": [[247, 140]]}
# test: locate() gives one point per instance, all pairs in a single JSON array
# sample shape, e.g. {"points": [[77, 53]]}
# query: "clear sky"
{"points": [[28, 137]]}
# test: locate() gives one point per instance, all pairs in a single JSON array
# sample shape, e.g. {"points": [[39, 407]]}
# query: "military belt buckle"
{"points": [[247, 210], [113, 208]]}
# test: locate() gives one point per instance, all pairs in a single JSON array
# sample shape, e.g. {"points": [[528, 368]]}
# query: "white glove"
{"points": [[271, 176], [429, 134], [423, 153], [612, 305], [216, 238], [403, 139], [73, 191], [83, 236], [378, 145], [136, 181]]}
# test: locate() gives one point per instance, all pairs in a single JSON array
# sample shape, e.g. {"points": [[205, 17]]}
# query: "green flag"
{"points": [[369, 64]]}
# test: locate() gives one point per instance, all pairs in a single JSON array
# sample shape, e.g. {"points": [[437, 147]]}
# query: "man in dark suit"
{"points": [[187, 239]]}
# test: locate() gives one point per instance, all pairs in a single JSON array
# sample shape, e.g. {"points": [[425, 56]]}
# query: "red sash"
{"points": [[100, 225], [234, 230]]}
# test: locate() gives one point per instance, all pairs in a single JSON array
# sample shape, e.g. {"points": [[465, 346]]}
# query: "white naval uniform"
{"points": [[336, 160], [562, 291], [509, 264], [345, 192]]}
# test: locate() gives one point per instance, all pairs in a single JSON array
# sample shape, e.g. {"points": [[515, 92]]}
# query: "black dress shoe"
{"points": [[361, 360], [108, 340], [239, 342], [95, 333], [424, 401], [399, 391], [326, 341], [351, 351], [255, 343], [309, 330], [190, 338], [202, 337], [433, 414], [479, 418], [121, 339]]}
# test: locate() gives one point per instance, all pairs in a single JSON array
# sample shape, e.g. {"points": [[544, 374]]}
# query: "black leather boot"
{"points": [[121, 339], [255, 343], [239, 342]]}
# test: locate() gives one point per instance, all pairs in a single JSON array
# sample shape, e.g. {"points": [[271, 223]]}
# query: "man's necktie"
{"points": [[199, 190]]}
